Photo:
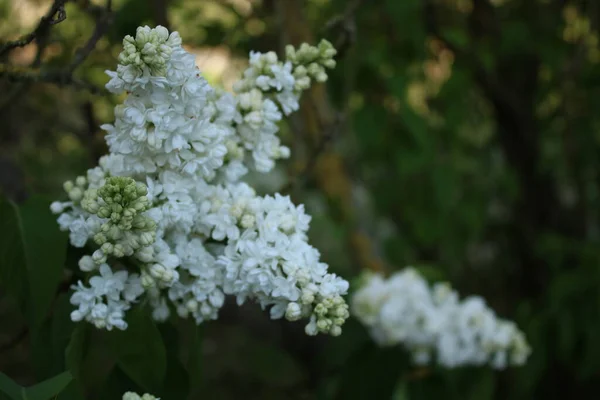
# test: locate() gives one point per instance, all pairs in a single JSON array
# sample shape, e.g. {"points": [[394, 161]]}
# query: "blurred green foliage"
{"points": [[472, 142]]}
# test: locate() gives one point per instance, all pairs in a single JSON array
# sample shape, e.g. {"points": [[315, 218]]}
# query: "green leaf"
{"points": [[74, 353], [49, 388], [13, 276], [97, 362], [9, 387], [41, 352], [48, 342], [45, 250], [177, 381], [62, 330], [32, 255], [140, 351]]}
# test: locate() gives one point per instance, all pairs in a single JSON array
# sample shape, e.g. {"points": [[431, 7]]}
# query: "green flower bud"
{"points": [[114, 233], [68, 186], [335, 330], [141, 189], [118, 250], [320, 309], [147, 238], [76, 194], [290, 53], [323, 324], [100, 238], [80, 181], [104, 212], [107, 248]]}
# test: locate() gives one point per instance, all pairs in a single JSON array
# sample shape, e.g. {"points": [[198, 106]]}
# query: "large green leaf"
{"points": [[140, 350], [49, 388], [62, 330], [42, 391], [9, 387], [41, 352], [75, 351], [32, 255], [13, 277], [177, 381]]}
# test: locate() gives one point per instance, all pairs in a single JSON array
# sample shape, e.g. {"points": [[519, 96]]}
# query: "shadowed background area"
{"points": [[456, 136]]}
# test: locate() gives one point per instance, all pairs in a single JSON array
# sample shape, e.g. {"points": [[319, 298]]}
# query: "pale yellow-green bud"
{"points": [[323, 324], [68, 186], [335, 330], [191, 305], [320, 309], [329, 63], [80, 181], [107, 248], [118, 250], [147, 280], [307, 298], [300, 71], [114, 233], [76, 194], [104, 212], [290, 53], [100, 238], [147, 238]]}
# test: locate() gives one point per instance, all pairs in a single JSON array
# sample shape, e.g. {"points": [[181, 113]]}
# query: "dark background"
{"points": [[457, 136]]}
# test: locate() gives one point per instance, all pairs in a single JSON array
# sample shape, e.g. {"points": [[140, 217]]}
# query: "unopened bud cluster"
{"points": [[193, 231], [270, 86], [327, 315], [76, 190], [149, 50], [120, 204], [310, 62]]}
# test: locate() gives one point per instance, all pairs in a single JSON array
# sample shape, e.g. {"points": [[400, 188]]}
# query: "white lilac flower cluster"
{"points": [[166, 215], [135, 396], [432, 321]]}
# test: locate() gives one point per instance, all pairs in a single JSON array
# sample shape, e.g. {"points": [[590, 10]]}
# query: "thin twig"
{"points": [[347, 25], [64, 76], [103, 22], [55, 14], [57, 77]]}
